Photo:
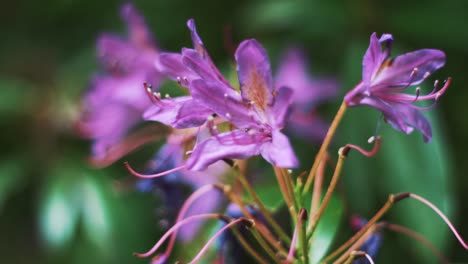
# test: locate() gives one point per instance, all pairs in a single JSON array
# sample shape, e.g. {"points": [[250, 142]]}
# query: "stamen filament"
{"points": [[216, 235], [442, 215], [391, 200], [176, 227], [150, 176], [183, 210], [415, 235]]}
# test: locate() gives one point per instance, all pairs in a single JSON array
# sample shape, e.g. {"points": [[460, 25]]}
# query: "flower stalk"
{"points": [[323, 148]]}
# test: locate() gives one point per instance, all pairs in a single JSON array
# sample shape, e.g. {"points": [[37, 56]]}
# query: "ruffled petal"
{"points": [[223, 101], [237, 144], [253, 68], [279, 151], [181, 112], [399, 72]]}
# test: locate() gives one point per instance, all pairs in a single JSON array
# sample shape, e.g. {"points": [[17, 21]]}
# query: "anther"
{"points": [[228, 116], [426, 75]]}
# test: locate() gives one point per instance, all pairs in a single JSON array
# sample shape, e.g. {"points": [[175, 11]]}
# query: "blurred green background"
{"points": [[54, 208]]}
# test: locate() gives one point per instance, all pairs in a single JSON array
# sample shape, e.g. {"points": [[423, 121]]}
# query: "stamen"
{"points": [[176, 227], [426, 75], [418, 92], [216, 235], [183, 210], [150, 176], [152, 95], [436, 95], [364, 152], [446, 220], [228, 116], [417, 236]]}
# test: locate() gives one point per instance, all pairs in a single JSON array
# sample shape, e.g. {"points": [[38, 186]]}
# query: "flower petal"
{"points": [[172, 65], [115, 54], [292, 73], [253, 68], [140, 35], [416, 119], [279, 151], [399, 72], [236, 144], [200, 48], [181, 112], [373, 59], [307, 125], [391, 113], [195, 62], [223, 101], [279, 110]]}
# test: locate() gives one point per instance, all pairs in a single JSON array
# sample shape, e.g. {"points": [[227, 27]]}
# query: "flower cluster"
{"points": [[213, 130]]}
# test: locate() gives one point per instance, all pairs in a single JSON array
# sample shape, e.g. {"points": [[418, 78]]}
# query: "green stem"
{"points": [[330, 133]]}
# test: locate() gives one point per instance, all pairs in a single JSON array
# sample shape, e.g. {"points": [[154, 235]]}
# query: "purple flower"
{"points": [[383, 79], [372, 244], [308, 93], [116, 100], [258, 112], [173, 187], [183, 112]]}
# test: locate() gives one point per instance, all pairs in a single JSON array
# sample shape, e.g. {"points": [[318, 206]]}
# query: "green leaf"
{"points": [[95, 198], [58, 211], [327, 229]]}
